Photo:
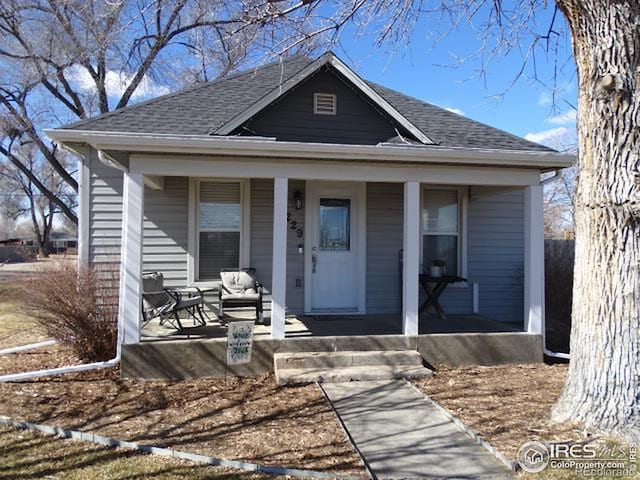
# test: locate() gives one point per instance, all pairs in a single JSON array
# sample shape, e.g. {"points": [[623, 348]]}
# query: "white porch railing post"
{"points": [[131, 258], [279, 271], [533, 259], [411, 258]]}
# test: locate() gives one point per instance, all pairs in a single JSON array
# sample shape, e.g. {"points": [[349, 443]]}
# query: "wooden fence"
{"points": [[558, 275]]}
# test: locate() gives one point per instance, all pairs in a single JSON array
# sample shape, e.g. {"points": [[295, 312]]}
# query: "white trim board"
{"points": [[221, 167], [84, 205], [357, 82]]}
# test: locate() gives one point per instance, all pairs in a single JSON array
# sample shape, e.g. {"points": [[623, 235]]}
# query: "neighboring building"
{"points": [[318, 179], [59, 243]]}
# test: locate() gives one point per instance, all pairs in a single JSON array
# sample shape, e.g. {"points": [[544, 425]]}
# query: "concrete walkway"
{"points": [[401, 435]]}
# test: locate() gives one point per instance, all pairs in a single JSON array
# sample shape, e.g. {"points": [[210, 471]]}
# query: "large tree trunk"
{"points": [[603, 384]]}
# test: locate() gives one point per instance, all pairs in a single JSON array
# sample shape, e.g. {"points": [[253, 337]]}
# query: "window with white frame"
{"points": [[219, 223], [441, 228]]}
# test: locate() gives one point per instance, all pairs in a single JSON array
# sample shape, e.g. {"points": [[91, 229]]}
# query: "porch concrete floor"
{"points": [[330, 325]]}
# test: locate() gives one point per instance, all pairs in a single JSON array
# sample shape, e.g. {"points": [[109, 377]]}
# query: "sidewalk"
{"points": [[401, 435]]}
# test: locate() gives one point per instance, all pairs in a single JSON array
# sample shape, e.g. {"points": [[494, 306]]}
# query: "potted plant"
{"points": [[437, 268]]}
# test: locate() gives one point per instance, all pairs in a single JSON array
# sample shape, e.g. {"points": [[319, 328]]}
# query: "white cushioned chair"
{"points": [[239, 288]]}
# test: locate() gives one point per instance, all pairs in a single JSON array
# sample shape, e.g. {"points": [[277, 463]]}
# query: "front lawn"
{"points": [[506, 404], [27, 454], [15, 327], [250, 419]]}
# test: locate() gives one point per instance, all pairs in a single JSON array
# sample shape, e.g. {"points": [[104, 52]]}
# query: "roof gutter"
{"points": [[271, 148]]}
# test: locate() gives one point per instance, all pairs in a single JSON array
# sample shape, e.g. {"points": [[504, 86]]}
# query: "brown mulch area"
{"points": [[506, 404], [248, 419], [38, 359]]}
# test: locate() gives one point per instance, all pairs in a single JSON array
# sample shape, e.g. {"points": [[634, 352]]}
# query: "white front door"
{"points": [[335, 247]]}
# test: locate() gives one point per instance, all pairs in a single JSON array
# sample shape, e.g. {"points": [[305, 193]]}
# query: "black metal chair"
{"points": [[239, 288], [167, 303]]}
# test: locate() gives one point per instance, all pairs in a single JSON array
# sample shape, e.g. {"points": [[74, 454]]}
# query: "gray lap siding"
{"points": [[495, 241], [165, 223]]}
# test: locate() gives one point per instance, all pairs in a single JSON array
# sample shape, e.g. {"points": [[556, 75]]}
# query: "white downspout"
{"points": [[31, 346], [18, 377], [549, 353], [552, 178]]}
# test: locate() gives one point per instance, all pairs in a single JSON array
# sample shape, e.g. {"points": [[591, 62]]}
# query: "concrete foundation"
{"points": [[184, 359]]}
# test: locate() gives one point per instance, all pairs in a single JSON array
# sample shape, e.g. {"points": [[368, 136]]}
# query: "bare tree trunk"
{"points": [[37, 230], [603, 384]]}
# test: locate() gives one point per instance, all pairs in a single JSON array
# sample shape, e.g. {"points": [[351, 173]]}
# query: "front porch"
{"points": [[205, 355], [493, 239], [301, 326]]}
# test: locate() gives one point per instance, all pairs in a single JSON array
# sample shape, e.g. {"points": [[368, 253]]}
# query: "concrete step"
{"points": [[289, 376], [346, 359]]}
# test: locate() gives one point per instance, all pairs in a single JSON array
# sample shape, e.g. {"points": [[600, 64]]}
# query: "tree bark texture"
{"points": [[603, 385]]}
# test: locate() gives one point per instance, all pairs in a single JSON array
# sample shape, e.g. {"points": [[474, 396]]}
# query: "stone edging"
{"points": [[479, 439], [165, 452]]}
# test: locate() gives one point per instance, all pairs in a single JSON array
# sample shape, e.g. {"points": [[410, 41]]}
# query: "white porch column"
{"points": [[279, 270], [533, 259], [131, 258], [411, 258]]}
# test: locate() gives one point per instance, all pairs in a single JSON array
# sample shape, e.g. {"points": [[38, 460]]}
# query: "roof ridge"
{"points": [[464, 117], [182, 91]]}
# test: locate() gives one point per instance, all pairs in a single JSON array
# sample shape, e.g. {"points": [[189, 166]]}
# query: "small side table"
{"points": [[433, 293]]}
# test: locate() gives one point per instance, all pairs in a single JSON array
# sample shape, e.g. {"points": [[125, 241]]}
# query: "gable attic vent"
{"points": [[324, 104]]}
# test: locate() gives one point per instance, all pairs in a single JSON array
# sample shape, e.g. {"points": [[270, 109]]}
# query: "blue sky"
{"points": [[419, 68], [526, 109]]}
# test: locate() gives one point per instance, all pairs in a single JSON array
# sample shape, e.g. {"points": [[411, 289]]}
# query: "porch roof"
{"points": [[115, 143]]}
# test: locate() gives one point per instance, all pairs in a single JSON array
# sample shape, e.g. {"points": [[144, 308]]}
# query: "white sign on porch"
{"points": [[239, 342]]}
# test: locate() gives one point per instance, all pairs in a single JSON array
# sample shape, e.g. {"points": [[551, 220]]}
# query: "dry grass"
{"points": [[16, 328], [243, 419], [22, 454], [250, 419], [507, 404]]}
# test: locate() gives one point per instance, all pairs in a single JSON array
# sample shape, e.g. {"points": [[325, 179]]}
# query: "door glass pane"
{"points": [[441, 247], [440, 212], [335, 224]]}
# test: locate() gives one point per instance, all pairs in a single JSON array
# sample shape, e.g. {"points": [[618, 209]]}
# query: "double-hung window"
{"points": [[442, 228], [219, 222]]}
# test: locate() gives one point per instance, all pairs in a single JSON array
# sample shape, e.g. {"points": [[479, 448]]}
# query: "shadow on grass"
{"points": [[291, 426], [50, 457]]}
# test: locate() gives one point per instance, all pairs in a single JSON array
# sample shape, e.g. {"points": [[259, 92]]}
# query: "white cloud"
{"points": [[563, 118], [547, 136], [116, 83], [544, 99], [455, 110]]}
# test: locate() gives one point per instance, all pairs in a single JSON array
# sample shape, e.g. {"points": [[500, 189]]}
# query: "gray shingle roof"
{"points": [[200, 109]]}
